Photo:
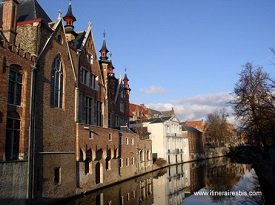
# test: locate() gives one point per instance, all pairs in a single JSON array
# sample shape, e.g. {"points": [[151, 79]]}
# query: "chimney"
{"points": [[9, 19]]}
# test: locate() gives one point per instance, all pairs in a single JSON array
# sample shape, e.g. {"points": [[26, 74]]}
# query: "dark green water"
{"points": [[214, 181]]}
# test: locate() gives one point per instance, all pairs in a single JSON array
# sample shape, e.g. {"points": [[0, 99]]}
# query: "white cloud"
{"points": [[196, 108], [153, 90]]}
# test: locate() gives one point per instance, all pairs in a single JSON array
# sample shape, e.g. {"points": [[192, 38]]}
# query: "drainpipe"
{"points": [[30, 179]]}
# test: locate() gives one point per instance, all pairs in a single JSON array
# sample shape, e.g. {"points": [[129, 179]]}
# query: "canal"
{"points": [[213, 181]]}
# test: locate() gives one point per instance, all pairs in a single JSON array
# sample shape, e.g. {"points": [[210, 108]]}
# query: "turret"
{"points": [[69, 18], [104, 51], [126, 82], [111, 68]]}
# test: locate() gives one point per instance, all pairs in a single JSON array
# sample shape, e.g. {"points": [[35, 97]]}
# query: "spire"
{"points": [[125, 79], [70, 13], [111, 67], [104, 49], [69, 17], [59, 14]]}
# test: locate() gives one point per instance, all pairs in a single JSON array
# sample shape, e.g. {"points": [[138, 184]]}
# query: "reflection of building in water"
{"points": [[172, 187], [220, 174], [137, 191], [197, 172]]}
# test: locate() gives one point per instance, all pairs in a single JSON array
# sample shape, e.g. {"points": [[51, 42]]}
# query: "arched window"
{"points": [[12, 136], [57, 83]]}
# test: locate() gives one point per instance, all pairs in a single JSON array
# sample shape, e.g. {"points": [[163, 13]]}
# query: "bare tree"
{"points": [[217, 132], [254, 103]]}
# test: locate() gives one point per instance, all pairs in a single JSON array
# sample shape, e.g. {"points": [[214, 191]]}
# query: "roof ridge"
{"points": [[34, 8]]}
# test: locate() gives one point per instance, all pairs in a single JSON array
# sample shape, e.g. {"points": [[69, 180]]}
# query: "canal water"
{"points": [[214, 181]]}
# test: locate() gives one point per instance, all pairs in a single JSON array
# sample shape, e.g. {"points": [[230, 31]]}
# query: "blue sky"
{"points": [[184, 54]]}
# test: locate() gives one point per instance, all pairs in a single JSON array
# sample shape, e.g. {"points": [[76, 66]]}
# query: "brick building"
{"points": [[118, 91], [195, 139], [65, 106], [15, 91]]}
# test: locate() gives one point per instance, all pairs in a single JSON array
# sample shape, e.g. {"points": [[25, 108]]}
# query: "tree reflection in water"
{"points": [[228, 183], [175, 185], [221, 176]]}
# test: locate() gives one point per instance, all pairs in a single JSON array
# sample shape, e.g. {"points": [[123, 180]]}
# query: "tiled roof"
{"points": [[168, 113], [196, 124], [190, 129], [158, 120], [79, 39], [28, 10]]}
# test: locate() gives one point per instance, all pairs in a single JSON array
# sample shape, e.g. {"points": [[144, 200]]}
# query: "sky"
{"points": [[185, 54]]}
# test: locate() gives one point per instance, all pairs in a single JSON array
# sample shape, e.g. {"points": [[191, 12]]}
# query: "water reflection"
{"points": [[181, 184]]}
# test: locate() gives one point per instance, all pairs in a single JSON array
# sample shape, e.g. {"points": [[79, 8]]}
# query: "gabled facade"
{"points": [[54, 134], [167, 140]]}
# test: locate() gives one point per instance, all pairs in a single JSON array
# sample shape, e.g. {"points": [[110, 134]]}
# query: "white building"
{"points": [[167, 141], [173, 186]]}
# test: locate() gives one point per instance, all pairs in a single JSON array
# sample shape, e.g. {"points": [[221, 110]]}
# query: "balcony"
{"points": [[173, 135]]}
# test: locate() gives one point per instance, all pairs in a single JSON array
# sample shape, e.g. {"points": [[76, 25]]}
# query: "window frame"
{"points": [[15, 86], [57, 83]]}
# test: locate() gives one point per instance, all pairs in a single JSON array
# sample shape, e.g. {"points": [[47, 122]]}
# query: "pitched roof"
{"points": [[28, 10], [133, 108], [158, 120], [79, 39], [190, 129], [199, 124], [168, 112]]}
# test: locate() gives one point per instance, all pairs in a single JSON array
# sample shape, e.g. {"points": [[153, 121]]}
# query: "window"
{"points": [[99, 113], [133, 141], [127, 162], [91, 135], [108, 163], [93, 82], [85, 76], [126, 140], [133, 160], [15, 86], [57, 83], [121, 200], [88, 110], [121, 162], [88, 166], [110, 136], [57, 175], [12, 137]]}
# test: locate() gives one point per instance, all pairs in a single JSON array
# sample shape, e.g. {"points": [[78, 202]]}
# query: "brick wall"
{"points": [[55, 127], [110, 154], [13, 55]]}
